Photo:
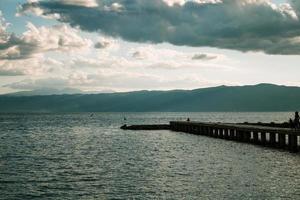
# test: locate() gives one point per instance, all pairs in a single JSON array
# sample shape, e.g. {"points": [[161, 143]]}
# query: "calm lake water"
{"points": [[84, 156]]}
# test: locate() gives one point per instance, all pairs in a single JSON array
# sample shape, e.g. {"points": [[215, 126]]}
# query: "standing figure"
{"points": [[297, 120], [291, 123]]}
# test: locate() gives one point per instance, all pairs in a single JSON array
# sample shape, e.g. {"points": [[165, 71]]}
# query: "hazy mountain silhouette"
{"points": [[46, 91], [262, 97], [53, 91]]}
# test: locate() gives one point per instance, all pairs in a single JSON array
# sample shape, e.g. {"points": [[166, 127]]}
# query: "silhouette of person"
{"points": [[188, 119], [297, 120], [291, 123]]}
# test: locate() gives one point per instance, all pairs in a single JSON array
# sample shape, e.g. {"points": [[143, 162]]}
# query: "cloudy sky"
{"points": [[124, 45]]}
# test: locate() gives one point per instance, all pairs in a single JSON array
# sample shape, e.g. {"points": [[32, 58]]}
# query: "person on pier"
{"points": [[291, 123], [297, 120]]}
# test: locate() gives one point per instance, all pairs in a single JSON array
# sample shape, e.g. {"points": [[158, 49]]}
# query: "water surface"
{"points": [[84, 156]]}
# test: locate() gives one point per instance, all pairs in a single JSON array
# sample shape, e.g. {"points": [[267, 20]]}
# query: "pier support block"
{"points": [[210, 132], [272, 139], [246, 136], [226, 134], [239, 135], [205, 130], [255, 137], [221, 133], [282, 140], [216, 133], [293, 143], [202, 130], [263, 139], [231, 134]]}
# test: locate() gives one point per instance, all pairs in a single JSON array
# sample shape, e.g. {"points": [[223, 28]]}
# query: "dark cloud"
{"points": [[242, 25], [138, 55], [203, 56], [15, 48], [102, 45]]}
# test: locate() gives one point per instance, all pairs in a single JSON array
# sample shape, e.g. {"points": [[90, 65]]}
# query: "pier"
{"points": [[284, 138], [274, 137], [147, 127]]}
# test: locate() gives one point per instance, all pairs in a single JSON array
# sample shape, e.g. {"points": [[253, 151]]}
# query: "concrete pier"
{"points": [[149, 127], [274, 137]]}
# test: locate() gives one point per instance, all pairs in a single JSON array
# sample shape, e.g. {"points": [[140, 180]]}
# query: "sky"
{"points": [[127, 45]]}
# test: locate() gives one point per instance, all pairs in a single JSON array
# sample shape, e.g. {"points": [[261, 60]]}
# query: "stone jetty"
{"points": [[266, 135]]}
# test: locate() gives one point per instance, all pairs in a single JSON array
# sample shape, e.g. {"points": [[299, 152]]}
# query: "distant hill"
{"points": [[52, 91], [262, 97], [46, 91]]}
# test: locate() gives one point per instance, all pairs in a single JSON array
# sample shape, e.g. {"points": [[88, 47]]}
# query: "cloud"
{"points": [[101, 44], [31, 84], [85, 63], [139, 55], [154, 54], [35, 66], [203, 56], [153, 57], [104, 80], [167, 57], [84, 3], [182, 2], [3, 27], [34, 10], [162, 68], [38, 40], [106, 43], [25, 54], [114, 7], [244, 25], [10, 72], [140, 81]]}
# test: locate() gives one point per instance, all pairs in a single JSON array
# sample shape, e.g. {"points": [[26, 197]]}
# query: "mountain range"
{"points": [[53, 91], [261, 97]]}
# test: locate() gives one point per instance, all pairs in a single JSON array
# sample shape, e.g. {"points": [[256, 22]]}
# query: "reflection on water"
{"points": [[79, 156]]}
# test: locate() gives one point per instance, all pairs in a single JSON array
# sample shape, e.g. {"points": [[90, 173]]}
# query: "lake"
{"points": [[87, 156]]}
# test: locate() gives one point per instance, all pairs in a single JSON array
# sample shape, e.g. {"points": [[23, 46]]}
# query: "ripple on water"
{"points": [[67, 156]]}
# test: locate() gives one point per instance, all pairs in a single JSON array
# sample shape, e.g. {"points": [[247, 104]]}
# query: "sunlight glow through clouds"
{"points": [[100, 56]]}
